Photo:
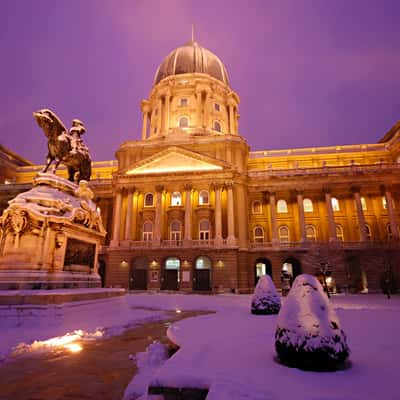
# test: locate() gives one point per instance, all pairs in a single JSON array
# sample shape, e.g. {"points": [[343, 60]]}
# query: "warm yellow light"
{"points": [[329, 280], [73, 347], [177, 168]]}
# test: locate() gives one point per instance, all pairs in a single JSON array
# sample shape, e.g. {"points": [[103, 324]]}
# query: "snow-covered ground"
{"points": [[232, 351]]}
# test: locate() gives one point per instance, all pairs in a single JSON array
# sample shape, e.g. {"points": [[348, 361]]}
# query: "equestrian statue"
{"points": [[65, 146]]}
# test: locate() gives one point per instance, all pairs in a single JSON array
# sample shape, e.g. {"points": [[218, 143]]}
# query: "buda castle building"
{"points": [[190, 208]]}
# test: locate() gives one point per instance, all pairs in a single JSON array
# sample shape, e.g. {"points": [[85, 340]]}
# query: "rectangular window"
{"points": [[184, 102], [217, 107]]}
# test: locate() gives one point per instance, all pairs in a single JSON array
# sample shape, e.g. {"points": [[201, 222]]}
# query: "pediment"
{"points": [[175, 160]]}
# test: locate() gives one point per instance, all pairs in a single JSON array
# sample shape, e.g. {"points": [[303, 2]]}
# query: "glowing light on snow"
{"points": [[73, 347], [67, 342]]}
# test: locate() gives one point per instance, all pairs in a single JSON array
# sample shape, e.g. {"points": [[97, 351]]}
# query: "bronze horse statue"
{"points": [[65, 147]]}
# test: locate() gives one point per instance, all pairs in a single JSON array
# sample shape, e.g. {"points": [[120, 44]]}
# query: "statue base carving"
{"points": [[50, 237]]}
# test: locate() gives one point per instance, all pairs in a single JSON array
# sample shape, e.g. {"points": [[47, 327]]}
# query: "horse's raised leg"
{"points": [[71, 174], [49, 160]]}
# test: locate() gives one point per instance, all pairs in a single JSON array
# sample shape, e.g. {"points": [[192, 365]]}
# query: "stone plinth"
{"points": [[50, 237]]}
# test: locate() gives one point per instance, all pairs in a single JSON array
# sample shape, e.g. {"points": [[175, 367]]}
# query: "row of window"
{"points": [[176, 199], [311, 233], [176, 230], [281, 205], [184, 101], [258, 232], [184, 122]]}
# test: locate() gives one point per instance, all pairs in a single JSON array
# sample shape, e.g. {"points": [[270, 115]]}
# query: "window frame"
{"points": [[258, 238], [182, 117], [309, 203], [201, 203], [281, 210], [147, 236], [173, 196], [280, 236], [144, 200]]}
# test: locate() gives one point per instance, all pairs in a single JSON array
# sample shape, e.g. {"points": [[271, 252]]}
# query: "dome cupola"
{"points": [[191, 58]]}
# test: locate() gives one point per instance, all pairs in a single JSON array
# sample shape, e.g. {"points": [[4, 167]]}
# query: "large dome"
{"points": [[191, 58]]}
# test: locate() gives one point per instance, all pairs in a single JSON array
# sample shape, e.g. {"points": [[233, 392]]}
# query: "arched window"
{"points": [[204, 229], [363, 203], [183, 122], [308, 205], [339, 233], [283, 233], [335, 204], [148, 231], [175, 230], [281, 206], [203, 263], [368, 232], [257, 208], [203, 197], [384, 203], [217, 126], [217, 107], [258, 234], [148, 200], [184, 101], [311, 233], [176, 199]]}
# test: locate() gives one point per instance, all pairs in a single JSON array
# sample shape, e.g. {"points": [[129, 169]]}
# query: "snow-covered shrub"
{"points": [[265, 299], [308, 333]]}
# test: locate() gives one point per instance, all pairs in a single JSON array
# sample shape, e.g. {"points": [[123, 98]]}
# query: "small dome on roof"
{"points": [[191, 58]]}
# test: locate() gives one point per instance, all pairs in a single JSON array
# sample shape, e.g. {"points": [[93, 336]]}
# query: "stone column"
{"points": [[134, 215], [188, 213], [392, 214], [360, 214], [199, 121], [128, 222], [218, 215], [302, 221], [117, 219], [274, 226], [231, 122], [158, 217], [167, 112], [145, 110], [159, 116], [331, 219], [231, 239], [206, 110]]}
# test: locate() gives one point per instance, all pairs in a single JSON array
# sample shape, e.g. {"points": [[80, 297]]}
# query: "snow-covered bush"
{"points": [[265, 299], [308, 333]]}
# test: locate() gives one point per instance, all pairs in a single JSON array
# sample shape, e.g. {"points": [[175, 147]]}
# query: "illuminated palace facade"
{"points": [[189, 207]]}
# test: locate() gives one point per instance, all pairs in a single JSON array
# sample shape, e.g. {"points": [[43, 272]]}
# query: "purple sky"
{"points": [[309, 73]]}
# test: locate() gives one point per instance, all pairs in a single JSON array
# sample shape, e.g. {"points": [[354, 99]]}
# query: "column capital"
{"points": [[355, 189], [228, 184], [217, 185], [145, 106], [188, 187], [159, 188]]}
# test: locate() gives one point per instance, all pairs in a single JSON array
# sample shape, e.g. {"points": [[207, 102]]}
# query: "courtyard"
{"points": [[224, 349]]}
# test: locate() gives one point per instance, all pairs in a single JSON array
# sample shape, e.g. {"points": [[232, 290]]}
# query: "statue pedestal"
{"points": [[50, 237]]}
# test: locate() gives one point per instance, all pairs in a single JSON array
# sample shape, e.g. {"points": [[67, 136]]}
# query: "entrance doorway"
{"points": [[202, 274], [171, 274], [262, 267], [138, 274], [292, 268]]}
